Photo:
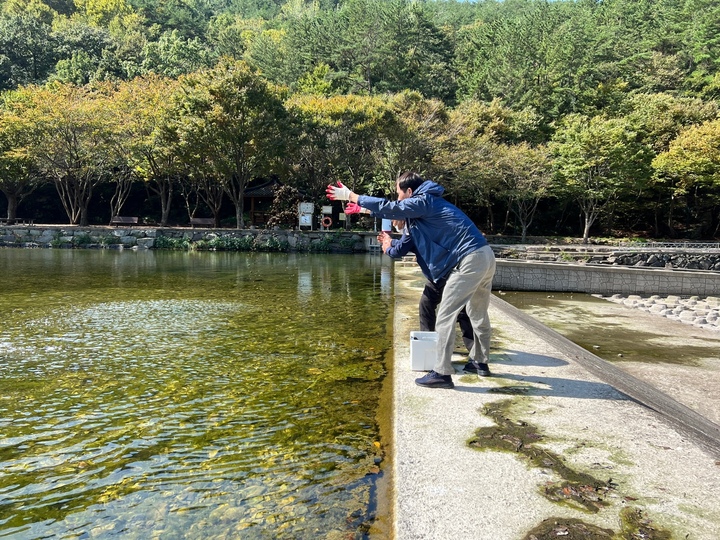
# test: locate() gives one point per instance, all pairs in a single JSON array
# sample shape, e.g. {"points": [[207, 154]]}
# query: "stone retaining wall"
{"points": [[679, 257], [68, 236]]}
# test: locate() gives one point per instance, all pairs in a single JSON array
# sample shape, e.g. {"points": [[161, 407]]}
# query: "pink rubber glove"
{"points": [[338, 193], [352, 208]]}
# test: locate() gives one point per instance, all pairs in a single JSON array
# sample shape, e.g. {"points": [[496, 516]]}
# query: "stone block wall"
{"points": [[97, 237], [691, 259]]}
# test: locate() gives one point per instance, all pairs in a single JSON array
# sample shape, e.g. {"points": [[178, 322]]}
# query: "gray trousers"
{"points": [[469, 285]]}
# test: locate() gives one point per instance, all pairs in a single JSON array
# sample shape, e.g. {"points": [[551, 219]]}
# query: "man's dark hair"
{"points": [[410, 179]]}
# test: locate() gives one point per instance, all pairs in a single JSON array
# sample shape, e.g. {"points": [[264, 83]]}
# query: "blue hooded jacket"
{"points": [[443, 235]]}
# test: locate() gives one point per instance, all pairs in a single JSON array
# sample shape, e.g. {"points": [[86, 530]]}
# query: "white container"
{"points": [[423, 350]]}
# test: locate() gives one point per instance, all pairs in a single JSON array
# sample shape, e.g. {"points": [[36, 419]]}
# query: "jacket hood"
{"points": [[431, 188]]}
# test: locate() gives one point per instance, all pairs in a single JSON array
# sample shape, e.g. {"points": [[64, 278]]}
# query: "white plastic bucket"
{"points": [[423, 350]]}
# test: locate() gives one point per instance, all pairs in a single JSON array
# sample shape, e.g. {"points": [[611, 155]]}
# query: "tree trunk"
{"points": [[507, 218], [12, 200], [586, 229], [239, 215], [165, 198], [83, 216], [670, 217], [234, 187], [122, 190], [656, 220], [212, 193], [190, 195], [490, 220], [163, 189]]}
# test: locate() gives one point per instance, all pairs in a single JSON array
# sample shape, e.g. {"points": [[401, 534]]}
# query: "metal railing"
{"points": [[672, 245]]}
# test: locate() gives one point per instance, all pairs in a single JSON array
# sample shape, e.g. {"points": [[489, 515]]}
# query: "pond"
{"points": [[191, 395]]}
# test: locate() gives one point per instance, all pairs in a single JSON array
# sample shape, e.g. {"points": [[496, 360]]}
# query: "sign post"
{"points": [[305, 214]]}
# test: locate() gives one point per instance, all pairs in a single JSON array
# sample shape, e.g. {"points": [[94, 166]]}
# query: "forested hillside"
{"points": [[564, 117]]}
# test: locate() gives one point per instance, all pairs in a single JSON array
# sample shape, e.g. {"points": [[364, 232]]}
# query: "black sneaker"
{"points": [[435, 380], [477, 367]]}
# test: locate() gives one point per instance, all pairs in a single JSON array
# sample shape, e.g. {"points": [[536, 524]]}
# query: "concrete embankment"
{"points": [[546, 444], [514, 275]]}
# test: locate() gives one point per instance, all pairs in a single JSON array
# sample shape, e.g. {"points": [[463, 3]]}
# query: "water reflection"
{"points": [[193, 395]]}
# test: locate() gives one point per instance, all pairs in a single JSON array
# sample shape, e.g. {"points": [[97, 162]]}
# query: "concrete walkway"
{"points": [[643, 465]]}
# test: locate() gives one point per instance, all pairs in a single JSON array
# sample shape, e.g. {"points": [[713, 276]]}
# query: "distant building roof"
{"points": [[264, 190]]}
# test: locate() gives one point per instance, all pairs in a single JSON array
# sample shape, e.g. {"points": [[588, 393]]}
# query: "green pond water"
{"points": [[190, 395]]}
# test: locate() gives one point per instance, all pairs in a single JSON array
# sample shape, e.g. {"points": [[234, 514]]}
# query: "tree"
{"points": [[639, 41], [469, 149], [693, 160], [310, 39], [702, 29], [172, 55], [102, 12], [81, 48], [28, 47], [229, 127], [78, 69], [517, 57], [362, 45], [410, 142], [595, 160], [694, 156], [119, 140], [658, 119], [341, 137], [370, 47], [269, 51], [143, 109], [230, 34], [188, 17], [18, 174], [526, 179], [421, 53], [284, 209], [73, 146], [316, 82], [92, 53]]}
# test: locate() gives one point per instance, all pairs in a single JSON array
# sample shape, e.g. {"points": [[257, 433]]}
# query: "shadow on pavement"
{"points": [[545, 386]]}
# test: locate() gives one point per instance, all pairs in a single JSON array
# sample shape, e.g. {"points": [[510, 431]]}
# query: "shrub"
{"points": [[82, 240], [165, 242]]}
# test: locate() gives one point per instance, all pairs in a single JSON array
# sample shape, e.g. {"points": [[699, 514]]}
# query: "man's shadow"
{"points": [[537, 385]]}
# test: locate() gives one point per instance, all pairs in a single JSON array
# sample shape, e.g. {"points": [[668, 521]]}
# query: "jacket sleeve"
{"points": [[408, 208], [400, 247]]}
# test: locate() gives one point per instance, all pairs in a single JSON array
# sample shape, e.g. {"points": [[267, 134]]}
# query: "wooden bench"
{"points": [[202, 222], [123, 220], [16, 221]]}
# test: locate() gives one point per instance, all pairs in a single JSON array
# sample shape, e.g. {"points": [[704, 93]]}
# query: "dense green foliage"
{"points": [[539, 117]]}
